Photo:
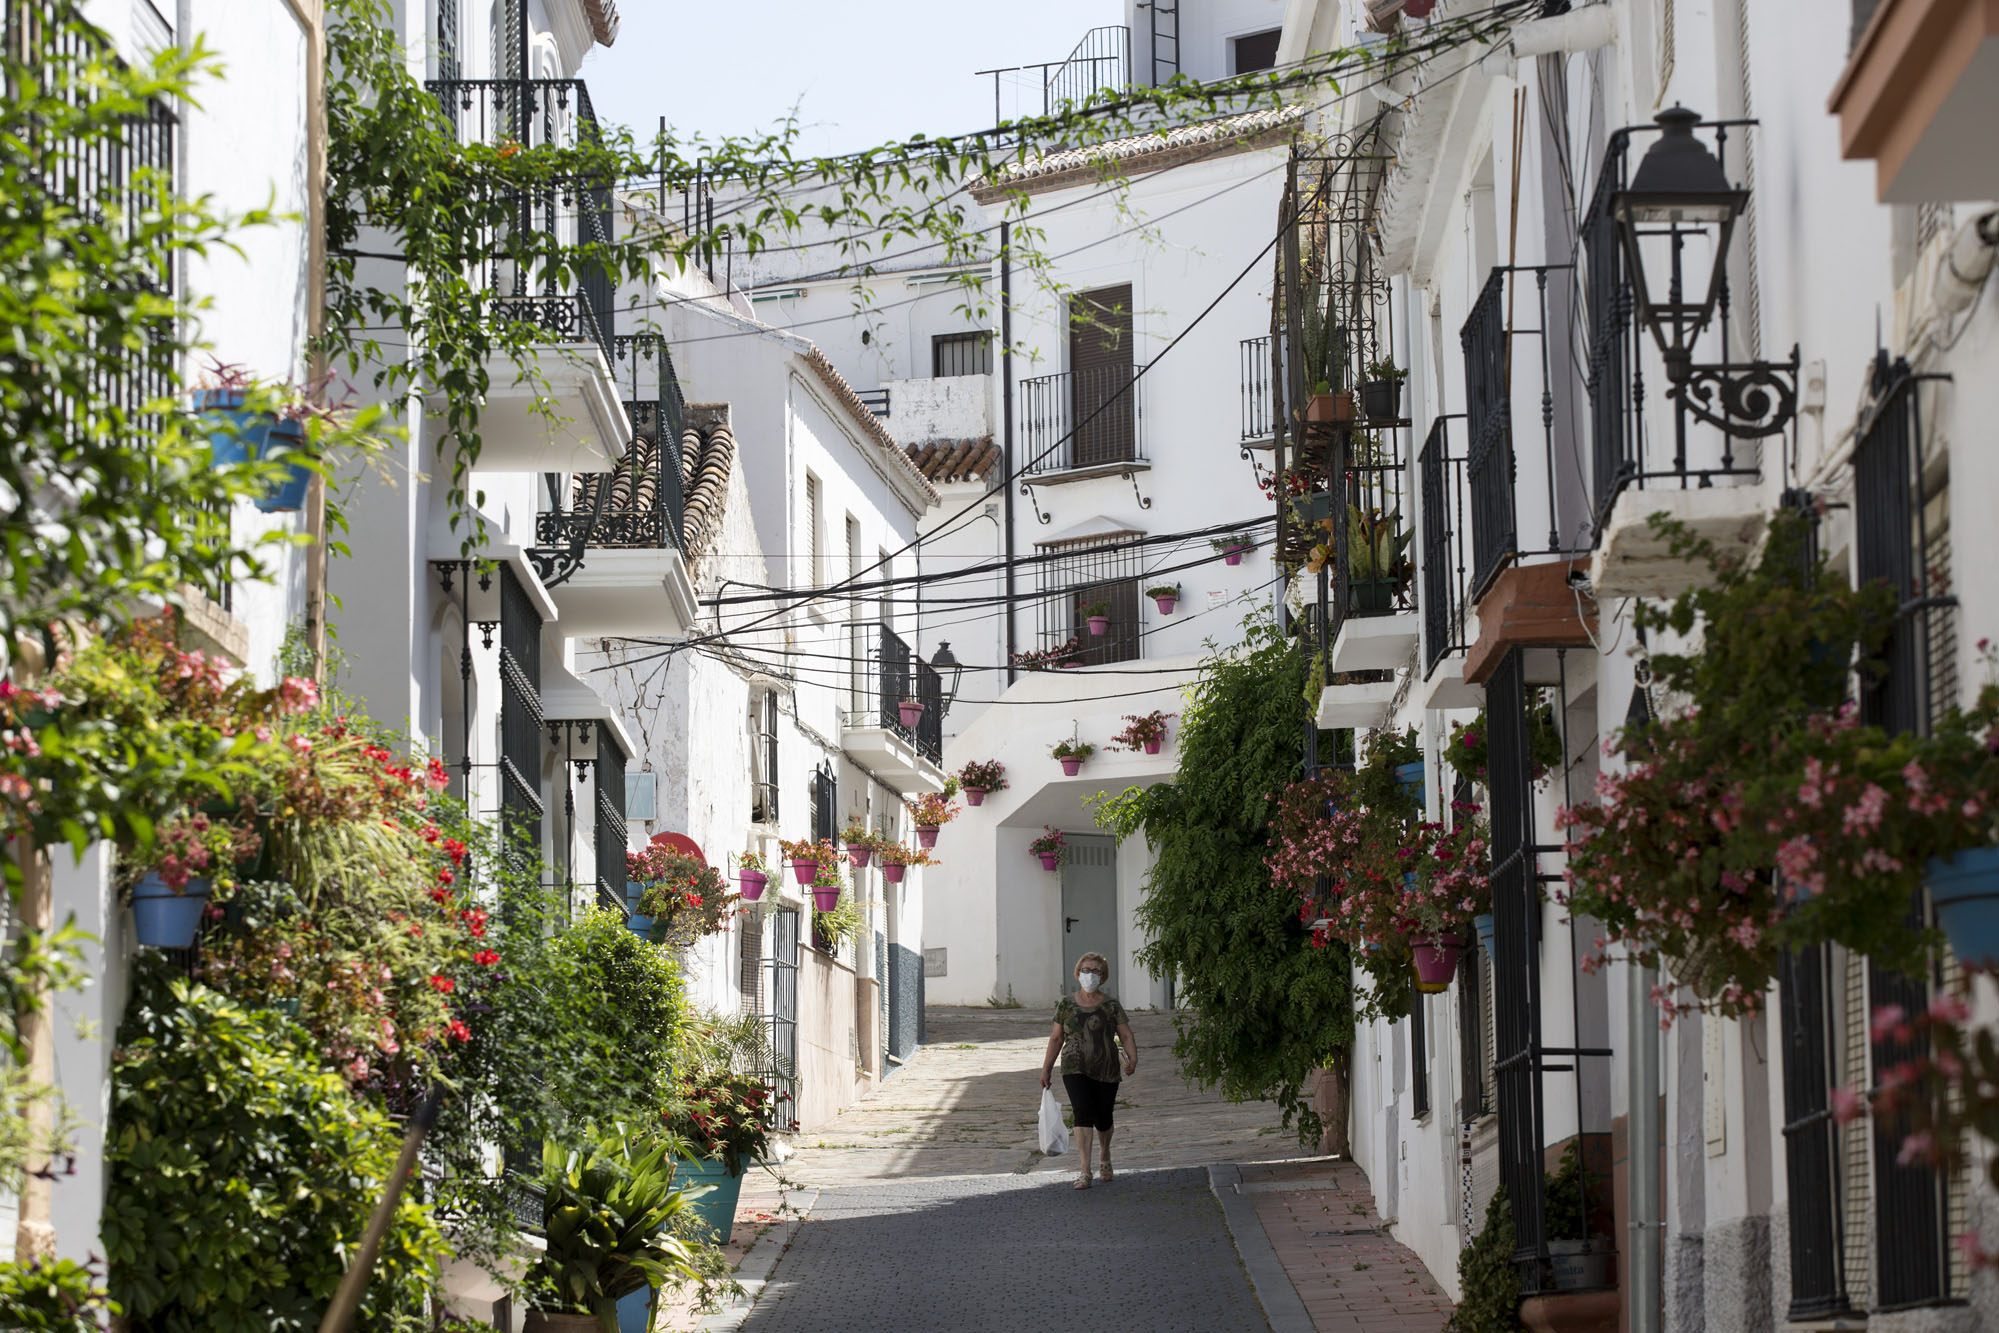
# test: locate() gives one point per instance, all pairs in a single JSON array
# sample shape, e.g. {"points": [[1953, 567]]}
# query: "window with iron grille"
{"points": [[611, 828], [825, 804], [520, 713], [1811, 1139], [447, 50], [961, 354], [780, 998], [1419, 1059], [763, 758], [1102, 572]]}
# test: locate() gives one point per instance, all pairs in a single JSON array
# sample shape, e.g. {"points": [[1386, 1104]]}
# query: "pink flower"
{"points": [[1847, 1105], [300, 744], [298, 695], [1949, 1008], [1888, 1018], [1918, 1147], [1976, 1256]]}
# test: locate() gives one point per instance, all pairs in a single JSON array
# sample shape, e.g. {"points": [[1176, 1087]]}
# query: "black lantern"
{"points": [[1678, 198], [944, 662]]}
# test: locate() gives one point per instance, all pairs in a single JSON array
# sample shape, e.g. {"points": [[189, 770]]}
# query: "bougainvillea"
{"points": [[684, 896]]}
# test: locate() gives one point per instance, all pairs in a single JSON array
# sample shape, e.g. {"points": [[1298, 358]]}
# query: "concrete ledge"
{"points": [[1267, 1278], [1634, 560], [1363, 706]]}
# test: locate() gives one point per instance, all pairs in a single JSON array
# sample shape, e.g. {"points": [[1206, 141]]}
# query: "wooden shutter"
{"points": [[1103, 414]]}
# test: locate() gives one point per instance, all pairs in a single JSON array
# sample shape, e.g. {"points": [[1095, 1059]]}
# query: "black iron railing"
{"points": [[1102, 60], [875, 400], [1373, 532], [521, 719], [1081, 419], [1544, 515], [610, 831], [562, 226], [1811, 1140], [1445, 503], [898, 675], [1259, 407], [1910, 1218]]}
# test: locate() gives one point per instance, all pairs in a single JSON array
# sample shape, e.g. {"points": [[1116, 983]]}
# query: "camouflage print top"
{"points": [[1089, 1037]]}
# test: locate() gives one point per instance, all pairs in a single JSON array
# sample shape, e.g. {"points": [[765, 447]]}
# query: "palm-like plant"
{"points": [[607, 1218], [1376, 546]]}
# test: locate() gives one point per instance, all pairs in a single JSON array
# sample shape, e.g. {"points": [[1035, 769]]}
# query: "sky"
{"points": [[859, 74]]}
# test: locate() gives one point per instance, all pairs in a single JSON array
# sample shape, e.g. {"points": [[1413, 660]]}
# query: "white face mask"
{"points": [[1090, 980]]}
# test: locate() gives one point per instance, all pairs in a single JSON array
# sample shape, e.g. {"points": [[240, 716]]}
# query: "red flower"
{"points": [[443, 985], [441, 896], [445, 876], [693, 900], [459, 1032], [485, 957]]}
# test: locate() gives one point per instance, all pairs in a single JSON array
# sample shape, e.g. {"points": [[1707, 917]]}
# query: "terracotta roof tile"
{"points": [[946, 461], [1146, 152]]}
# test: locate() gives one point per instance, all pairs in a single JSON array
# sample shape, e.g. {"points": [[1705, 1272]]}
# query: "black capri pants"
{"points": [[1093, 1101]]}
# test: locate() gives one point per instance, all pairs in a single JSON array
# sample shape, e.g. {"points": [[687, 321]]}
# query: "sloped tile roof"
{"points": [[603, 15], [1146, 152], [946, 461]]}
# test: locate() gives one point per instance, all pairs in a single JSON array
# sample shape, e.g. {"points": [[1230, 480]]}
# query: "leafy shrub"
{"points": [[240, 1168], [1491, 1284], [58, 1297], [608, 1216]]}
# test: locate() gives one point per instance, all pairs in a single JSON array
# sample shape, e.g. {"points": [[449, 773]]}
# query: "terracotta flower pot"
{"points": [[1072, 767], [975, 796], [1050, 860], [893, 873], [926, 835], [1343, 405], [1319, 407], [752, 882], [804, 871]]}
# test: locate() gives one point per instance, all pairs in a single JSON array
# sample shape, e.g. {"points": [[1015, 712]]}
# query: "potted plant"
{"points": [[1142, 731], [191, 855], [1071, 754], [1098, 614], [1320, 407], [1446, 884], [1467, 747], [1232, 548], [1581, 1262], [252, 423], [1377, 567], [910, 711], [1381, 391], [752, 875], [1166, 595], [932, 811], [835, 919], [607, 1213], [1049, 847], [807, 857], [678, 897], [729, 1120], [896, 860], [860, 843], [980, 777]]}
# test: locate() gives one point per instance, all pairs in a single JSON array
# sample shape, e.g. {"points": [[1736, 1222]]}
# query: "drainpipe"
{"points": [[1006, 428], [1645, 1156]]}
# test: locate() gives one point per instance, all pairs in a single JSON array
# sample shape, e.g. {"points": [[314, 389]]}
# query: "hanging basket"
{"points": [[975, 796], [1436, 962], [926, 835], [163, 919], [752, 882], [1050, 860], [910, 712], [1166, 604], [1233, 556], [1072, 767], [1410, 778], [1965, 889], [1483, 924], [1152, 746], [805, 871], [892, 873], [825, 899], [860, 856]]}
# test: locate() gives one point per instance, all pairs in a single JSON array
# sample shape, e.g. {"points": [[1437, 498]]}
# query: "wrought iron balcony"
{"points": [[1258, 406], [1446, 545], [1081, 419], [891, 675], [553, 228]]}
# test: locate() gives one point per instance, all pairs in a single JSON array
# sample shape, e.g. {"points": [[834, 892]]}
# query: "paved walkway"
{"points": [[930, 1208]]}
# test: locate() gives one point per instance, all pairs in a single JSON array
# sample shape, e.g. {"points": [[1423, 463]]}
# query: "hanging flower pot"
{"points": [[1152, 747], [860, 856], [1418, 9], [1050, 860], [1410, 778], [1071, 767], [640, 926], [926, 835], [1233, 556], [250, 436], [892, 872], [804, 871], [975, 796], [1483, 924], [1437, 962], [825, 897], [1166, 604], [1100, 624], [163, 919], [752, 882], [1965, 889], [910, 711]]}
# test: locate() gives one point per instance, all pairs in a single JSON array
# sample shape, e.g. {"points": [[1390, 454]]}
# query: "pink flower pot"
{"points": [[1050, 860], [975, 796], [926, 835], [1233, 556], [753, 882], [1152, 747], [1100, 624], [892, 872], [825, 899], [860, 856], [1437, 963], [804, 871], [1072, 767], [1166, 604], [911, 714]]}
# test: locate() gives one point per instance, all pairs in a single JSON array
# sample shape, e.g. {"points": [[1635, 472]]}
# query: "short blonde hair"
{"points": [[1103, 963]]}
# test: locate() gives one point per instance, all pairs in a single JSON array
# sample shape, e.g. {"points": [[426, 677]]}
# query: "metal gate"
{"points": [[781, 994]]}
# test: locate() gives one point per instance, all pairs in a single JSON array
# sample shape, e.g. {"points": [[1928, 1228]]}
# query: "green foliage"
{"points": [[1490, 1282], [722, 1103], [240, 1170], [842, 924], [1265, 1008], [608, 1216], [57, 1297], [1565, 1199], [1377, 546]]}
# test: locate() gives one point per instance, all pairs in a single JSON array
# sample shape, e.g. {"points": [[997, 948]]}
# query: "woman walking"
{"points": [[1089, 1027]]}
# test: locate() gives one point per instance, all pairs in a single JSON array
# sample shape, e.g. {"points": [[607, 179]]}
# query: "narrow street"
{"points": [[933, 1209]]}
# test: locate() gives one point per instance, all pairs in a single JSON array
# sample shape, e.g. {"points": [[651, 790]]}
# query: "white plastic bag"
{"points": [[1054, 1134]]}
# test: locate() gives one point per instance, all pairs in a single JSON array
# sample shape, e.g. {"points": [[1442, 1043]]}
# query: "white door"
{"points": [[1089, 903]]}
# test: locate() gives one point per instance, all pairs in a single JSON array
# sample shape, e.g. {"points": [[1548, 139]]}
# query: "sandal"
{"points": [[1083, 1181], [1104, 1171]]}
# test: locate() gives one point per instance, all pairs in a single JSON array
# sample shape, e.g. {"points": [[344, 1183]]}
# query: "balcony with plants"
{"points": [[894, 722]]}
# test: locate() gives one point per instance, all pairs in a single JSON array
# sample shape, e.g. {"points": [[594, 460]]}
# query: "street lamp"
{"points": [[1678, 196], [943, 661], [1677, 201]]}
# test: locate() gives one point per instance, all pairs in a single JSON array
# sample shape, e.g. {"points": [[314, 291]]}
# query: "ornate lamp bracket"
{"points": [[1745, 399]]}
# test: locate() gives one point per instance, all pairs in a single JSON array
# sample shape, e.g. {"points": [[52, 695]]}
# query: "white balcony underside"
{"points": [[1375, 643], [617, 591], [892, 757], [1447, 687], [1364, 706], [1634, 559], [558, 413]]}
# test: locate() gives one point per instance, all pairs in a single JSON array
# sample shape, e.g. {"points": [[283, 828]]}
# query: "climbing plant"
{"points": [[1264, 1007]]}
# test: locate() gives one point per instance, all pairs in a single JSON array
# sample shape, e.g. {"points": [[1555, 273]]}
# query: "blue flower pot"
{"points": [[250, 436], [163, 919], [289, 495], [635, 1311], [1965, 889], [716, 1209], [1410, 776], [640, 926], [1482, 923]]}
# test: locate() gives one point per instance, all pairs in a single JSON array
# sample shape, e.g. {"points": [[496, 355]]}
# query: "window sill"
{"points": [[1090, 473]]}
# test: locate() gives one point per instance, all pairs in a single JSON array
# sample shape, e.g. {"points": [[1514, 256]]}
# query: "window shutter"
{"points": [[1103, 409]]}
